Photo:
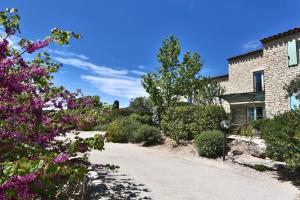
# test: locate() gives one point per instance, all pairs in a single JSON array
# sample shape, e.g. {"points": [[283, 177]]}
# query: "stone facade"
{"points": [[241, 73], [278, 73], [273, 60]]}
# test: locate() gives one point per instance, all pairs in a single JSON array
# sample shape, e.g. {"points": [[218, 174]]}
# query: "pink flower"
{"points": [[31, 47], [61, 158]]}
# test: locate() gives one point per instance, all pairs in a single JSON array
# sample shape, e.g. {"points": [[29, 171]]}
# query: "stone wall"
{"points": [[278, 73], [241, 73], [274, 61]]}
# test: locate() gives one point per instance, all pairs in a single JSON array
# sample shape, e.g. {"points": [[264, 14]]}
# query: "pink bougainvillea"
{"points": [[33, 112]]}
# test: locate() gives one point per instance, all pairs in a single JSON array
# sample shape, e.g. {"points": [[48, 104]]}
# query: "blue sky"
{"points": [[121, 37]]}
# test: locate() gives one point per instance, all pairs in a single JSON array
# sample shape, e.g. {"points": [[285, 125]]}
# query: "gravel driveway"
{"points": [[178, 177]]}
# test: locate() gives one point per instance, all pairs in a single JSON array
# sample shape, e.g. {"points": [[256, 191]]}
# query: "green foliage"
{"points": [[180, 123], [293, 87], [260, 168], [135, 117], [208, 91], [144, 119], [123, 112], [259, 124], [116, 132], [185, 122], [173, 79], [147, 119], [149, 134], [100, 127], [248, 132], [210, 143], [131, 129], [116, 105], [141, 105], [123, 130], [281, 135]]}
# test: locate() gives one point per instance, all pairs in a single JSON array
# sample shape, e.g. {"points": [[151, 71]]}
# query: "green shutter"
{"points": [[292, 52]]}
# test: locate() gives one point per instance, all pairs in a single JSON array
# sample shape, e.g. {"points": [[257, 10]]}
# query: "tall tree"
{"points": [[208, 91], [174, 79]]}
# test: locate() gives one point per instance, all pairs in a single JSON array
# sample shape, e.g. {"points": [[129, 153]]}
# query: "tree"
{"points": [[174, 79], [33, 163], [293, 88], [141, 105], [116, 105], [208, 91]]}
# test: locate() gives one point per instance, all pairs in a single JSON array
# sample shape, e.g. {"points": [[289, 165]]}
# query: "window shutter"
{"points": [[292, 53]]}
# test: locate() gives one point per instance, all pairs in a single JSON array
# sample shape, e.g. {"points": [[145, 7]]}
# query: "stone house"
{"points": [[255, 80]]}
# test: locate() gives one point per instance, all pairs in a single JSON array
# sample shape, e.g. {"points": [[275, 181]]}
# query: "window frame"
{"points": [[254, 113], [262, 81]]}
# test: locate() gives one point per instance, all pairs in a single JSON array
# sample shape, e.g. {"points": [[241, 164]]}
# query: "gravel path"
{"points": [[179, 177]]}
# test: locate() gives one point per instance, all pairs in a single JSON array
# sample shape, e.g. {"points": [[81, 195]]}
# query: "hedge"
{"points": [[186, 122]]}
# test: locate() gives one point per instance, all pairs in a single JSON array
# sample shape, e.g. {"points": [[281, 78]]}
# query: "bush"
{"points": [[100, 127], [147, 119], [186, 122], [281, 136], [210, 143], [259, 124], [149, 134], [116, 132], [129, 129]]}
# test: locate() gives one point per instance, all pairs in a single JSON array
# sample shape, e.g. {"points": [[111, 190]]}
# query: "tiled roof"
{"points": [[280, 35], [245, 54]]}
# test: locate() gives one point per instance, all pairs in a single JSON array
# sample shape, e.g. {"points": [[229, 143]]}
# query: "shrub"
{"points": [[186, 122], [130, 127], [259, 124], [116, 132], [100, 127], [248, 132], [124, 130], [209, 143], [135, 117], [149, 134], [281, 138], [144, 119], [179, 122], [147, 119]]}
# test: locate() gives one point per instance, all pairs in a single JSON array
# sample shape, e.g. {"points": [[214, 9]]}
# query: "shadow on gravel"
{"points": [[109, 184], [285, 175]]}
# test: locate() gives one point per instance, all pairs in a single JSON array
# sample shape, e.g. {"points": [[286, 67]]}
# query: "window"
{"points": [[254, 113], [294, 102], [258, 81], [292, 53]]}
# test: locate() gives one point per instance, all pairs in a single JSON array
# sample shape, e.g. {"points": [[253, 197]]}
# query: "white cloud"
{"points": [[141, 67], [68, 54], [128, 88], [108, 80], [140, 73], [101, 70], [251, 45]]}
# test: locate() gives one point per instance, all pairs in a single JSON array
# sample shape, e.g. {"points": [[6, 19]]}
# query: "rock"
{"points": [[254, 146], [253, 162], [257, 151]]}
